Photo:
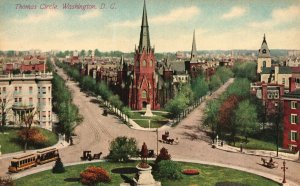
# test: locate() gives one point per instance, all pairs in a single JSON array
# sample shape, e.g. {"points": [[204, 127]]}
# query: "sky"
{"points": [[115, 24]]}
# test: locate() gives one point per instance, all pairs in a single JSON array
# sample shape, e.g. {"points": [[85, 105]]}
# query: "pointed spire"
{"points": [[264, 49], [194, 49], [144, 35]]}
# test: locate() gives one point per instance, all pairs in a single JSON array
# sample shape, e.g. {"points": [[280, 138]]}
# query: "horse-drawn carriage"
{"points": [[166, 139]]}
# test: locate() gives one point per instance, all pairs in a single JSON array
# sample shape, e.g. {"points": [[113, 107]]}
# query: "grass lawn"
{"points": [[157, 121], [209, 176], [256, 144], [9, 141]]}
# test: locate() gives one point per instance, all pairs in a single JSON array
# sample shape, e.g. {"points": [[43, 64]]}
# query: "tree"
{"points": [[226, 112], [27, 120], [82, 53], [199, 87], [97, 53], [224, 74], [10, 53], [169, 169], [211, 116], [214, 83], [163, 155], [122, 149], [246, 118], [4, 109], [58, 167], [93, 175]]}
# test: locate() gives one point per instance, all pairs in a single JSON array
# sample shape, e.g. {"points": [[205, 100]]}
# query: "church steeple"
{"points": [[144, 35], [194, 49], [264, 49]]}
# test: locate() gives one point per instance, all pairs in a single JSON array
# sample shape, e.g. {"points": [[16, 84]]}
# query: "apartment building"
{"points": [[24, 93]]}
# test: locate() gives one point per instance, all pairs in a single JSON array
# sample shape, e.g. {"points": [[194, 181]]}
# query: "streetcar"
{"points": [[32, 160]]}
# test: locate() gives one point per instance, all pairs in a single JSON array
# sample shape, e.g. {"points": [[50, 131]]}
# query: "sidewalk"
{"points": [[263, 153], [59, 145]]}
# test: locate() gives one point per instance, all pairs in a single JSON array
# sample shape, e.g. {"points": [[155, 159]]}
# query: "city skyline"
{"points": [[221, 25]]}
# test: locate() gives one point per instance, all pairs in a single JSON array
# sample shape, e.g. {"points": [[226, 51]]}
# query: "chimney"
{"points": [[276, 73], [292, 83]]}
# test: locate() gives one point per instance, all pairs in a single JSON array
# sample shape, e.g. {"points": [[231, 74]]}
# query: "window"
{"points": [[30, 101], [49, 89], [4, 90], [144, 94], [44, 90], [30, 90], [20, 89], [16, 100], [4, 100], [283, 81], [294, 104], [264, 63], [150, 63], [273, 94], [294, 119], [16, 89], [294, 135], [144, 63], [20, 100]]}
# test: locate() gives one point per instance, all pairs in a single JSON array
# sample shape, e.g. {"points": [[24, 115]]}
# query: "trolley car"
{"points": [[32, 160]]}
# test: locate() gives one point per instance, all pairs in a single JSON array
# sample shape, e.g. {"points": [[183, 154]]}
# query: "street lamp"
{"points": [[277, 127]]}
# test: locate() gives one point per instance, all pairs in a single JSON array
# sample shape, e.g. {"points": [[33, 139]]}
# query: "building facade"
{"points": [[291, 123], [24, 93]]}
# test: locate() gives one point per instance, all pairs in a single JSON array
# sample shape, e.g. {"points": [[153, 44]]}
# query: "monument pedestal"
{"points": [[145, 177], [148, 111]]}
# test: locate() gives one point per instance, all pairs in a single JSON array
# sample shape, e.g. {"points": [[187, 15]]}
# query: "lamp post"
{"points": [[277, 127]]}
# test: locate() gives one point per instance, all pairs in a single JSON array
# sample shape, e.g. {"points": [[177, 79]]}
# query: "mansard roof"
{"points": [[293, 94], [282, 70]]}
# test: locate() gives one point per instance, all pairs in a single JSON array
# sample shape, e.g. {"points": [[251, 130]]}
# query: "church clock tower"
{"points": [[143, 89], [264, 56]]}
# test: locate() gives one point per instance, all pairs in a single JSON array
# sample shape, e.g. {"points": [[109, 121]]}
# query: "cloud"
{"points": [[234, 13], [37, 18], [90, 14], [176, 15], [279, 16], [180, 14]]}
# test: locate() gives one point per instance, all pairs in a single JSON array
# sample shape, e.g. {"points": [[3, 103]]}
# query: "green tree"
{"points": [[214, 83], [58, 167], [82, 53], [246, 118], [168, 169], [199, 87], [122, 149], [211, 116], [97, 53], [224, 74], [10, 53]]}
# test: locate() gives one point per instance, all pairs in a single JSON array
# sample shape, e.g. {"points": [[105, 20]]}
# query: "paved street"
{"points": [[96, 132]]}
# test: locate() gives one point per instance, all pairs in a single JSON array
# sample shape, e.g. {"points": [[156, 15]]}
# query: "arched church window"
{"points": [[144, 94], [264, 63], [144, 63], [150, 63]]}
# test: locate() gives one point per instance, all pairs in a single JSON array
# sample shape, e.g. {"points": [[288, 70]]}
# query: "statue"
{"points": [[144, 156], [144, 176]]}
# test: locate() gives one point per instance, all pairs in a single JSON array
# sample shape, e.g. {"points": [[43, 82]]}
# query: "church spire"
{"points": [[194, 49], [144, 35], [264, 49]]}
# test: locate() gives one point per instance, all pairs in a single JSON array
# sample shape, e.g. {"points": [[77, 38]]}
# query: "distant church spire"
{"points": [[144, 35], [264, 49], [194, 49]]}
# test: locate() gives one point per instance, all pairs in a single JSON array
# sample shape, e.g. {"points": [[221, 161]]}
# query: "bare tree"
{"points": [[4, 108], [28, 120]]}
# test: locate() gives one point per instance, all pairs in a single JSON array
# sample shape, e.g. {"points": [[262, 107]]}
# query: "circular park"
{"points": [[124, 172]]}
